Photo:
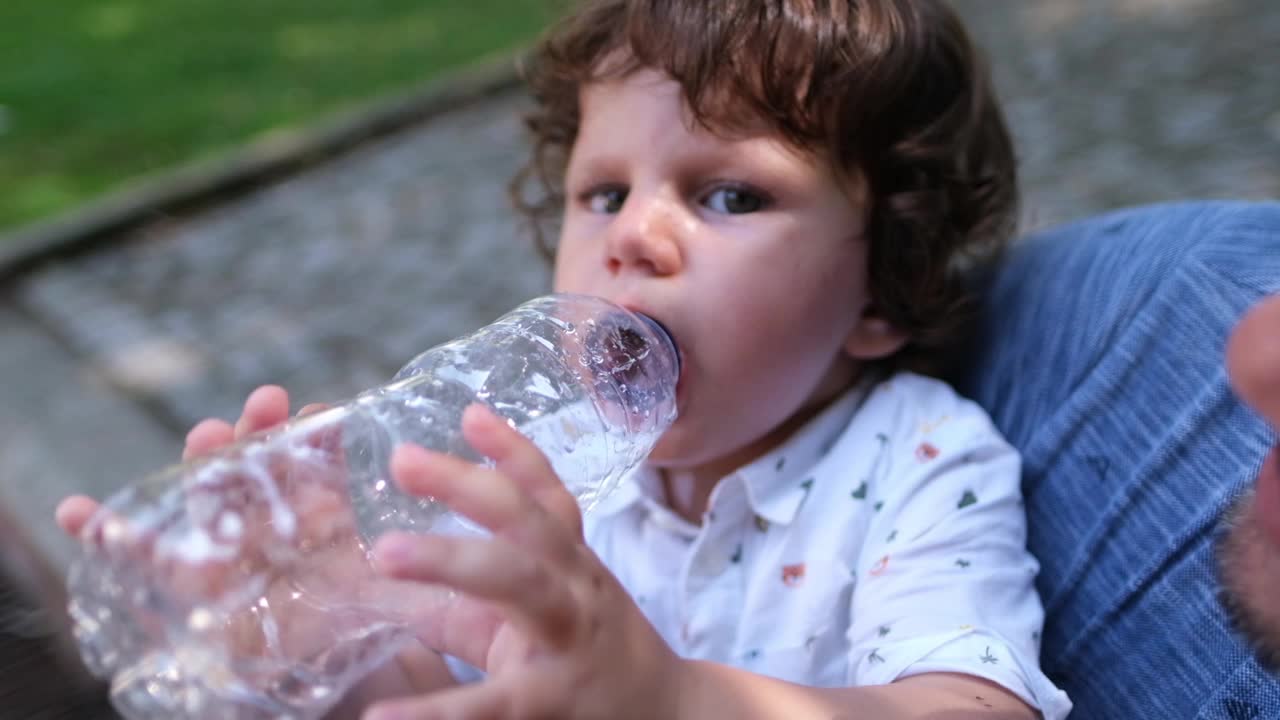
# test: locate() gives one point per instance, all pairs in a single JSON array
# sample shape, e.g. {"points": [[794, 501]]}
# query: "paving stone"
{"points": [[63, 430], [1121, 102]]}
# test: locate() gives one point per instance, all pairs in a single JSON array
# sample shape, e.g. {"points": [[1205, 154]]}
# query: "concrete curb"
{"points": [[191, 186]]}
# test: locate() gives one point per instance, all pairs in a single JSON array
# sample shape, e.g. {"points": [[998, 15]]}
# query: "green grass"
{"points": [[94, 93]]}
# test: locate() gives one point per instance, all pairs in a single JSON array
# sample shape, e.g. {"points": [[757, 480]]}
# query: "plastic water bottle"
{"points": [[239, 585]]}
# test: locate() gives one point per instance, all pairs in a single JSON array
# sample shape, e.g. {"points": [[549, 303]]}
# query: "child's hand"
{"points": [[316, 495], [557, 633], [265, 407], [313, 488]]}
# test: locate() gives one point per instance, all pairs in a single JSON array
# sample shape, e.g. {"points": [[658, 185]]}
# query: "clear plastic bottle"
{"points": [[239, 585]]}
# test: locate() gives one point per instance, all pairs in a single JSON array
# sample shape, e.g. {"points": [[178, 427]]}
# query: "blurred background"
{"points": [[325, 278]]}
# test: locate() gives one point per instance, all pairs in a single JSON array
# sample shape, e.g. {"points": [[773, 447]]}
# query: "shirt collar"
{"points": [[776, 483]]}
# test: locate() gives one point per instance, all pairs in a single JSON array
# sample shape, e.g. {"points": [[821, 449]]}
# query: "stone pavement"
{"points": [[327, 282], [1121, 102]]}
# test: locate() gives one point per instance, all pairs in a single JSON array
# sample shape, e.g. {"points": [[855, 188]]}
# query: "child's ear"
{"points": [[874, 337]]}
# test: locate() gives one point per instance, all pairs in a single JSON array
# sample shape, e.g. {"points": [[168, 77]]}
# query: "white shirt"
{"points": [[886, 538]]}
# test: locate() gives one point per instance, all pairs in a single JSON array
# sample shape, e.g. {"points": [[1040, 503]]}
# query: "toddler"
{"points": [[792, 187]]}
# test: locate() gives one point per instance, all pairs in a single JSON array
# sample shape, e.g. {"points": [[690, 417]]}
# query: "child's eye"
{"points": [[606, 200], [734, 200]]}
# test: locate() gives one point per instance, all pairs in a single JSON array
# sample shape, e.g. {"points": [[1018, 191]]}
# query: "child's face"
{"points": [[748, 251]]}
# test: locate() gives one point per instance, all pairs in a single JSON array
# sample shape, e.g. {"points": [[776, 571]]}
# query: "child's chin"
{"points": [[672, 450], [678, 449], [663, 453]]}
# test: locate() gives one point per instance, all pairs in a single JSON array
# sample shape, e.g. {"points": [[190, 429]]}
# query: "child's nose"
{"points": [[644, 237]]}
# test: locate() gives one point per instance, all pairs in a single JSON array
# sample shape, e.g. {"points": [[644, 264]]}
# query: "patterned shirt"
{"points": [[886, 538]]}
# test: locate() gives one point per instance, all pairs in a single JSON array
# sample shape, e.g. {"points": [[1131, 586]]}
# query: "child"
{"points": [[790, 188]]}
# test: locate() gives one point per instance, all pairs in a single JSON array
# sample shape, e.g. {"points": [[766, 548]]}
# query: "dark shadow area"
{"points": [[40, 675]]}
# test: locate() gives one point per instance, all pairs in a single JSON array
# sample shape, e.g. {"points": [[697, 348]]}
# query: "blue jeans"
{"points": [[1101, 358]]}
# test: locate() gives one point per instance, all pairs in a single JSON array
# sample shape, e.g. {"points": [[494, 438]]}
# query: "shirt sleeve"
{"points": [[944, 582]]}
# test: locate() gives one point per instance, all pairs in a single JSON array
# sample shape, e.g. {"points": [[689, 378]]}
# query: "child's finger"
{"points": [[531, 694], [78, 517], [312, 408], [73, 512], [484, 495], [478, 700], [459, 628], [517, 456], [265, 407], [537, 598], [327, 438], [207, 436]]}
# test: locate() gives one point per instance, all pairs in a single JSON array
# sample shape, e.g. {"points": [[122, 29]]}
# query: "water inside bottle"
{"points": [[217, 536]]}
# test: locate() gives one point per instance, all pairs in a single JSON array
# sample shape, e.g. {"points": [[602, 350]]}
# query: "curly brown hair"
{"points": [[891, 90]]}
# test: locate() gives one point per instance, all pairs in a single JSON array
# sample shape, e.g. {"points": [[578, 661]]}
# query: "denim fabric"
{"points": [[1101, 358]]}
